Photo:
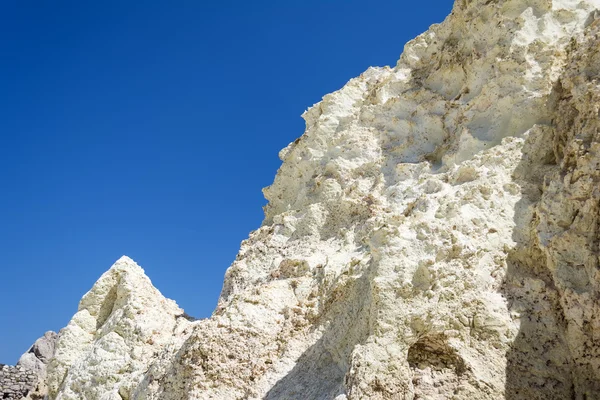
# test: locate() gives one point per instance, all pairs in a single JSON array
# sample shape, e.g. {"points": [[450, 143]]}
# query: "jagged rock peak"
{"points": [[121, 325], [125, 262], [433, 234]]}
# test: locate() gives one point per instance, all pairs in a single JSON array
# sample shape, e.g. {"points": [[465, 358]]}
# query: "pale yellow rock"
{"points": [[432, 235], [122, 324]]}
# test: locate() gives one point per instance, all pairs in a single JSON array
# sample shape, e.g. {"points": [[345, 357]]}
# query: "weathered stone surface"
{"points": [[554, 275], [40, 353], [36, 360], [43, 348], [122, 325], [16, 382], [434, 234]]}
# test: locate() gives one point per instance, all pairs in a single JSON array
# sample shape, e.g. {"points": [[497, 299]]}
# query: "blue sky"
{"points": [[149, 128]]}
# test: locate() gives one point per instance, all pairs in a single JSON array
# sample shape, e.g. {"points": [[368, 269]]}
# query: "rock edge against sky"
{"points": [[433, 234]]}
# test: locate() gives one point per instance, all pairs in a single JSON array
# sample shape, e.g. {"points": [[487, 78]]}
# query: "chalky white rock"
{"points": [[434, 234]]}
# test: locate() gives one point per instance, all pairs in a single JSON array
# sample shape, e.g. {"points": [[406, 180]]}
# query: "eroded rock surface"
{"points": [[553, 279], [122, 325], [36, 360], [40, 353], [434, 234]]}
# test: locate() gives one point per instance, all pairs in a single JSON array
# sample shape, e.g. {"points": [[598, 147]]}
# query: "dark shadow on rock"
{"points": [[532, 371], [107, 307], [315, 363], [320, 372], [539, 364]]}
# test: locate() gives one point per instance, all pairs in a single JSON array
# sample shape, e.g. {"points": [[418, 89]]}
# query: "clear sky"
{"points": [[148, 128]]}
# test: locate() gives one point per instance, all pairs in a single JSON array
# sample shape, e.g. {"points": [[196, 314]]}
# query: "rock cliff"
{"points": [[434, 234]]}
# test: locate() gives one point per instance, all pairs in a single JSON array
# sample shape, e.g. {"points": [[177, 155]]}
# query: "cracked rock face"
{"points": [[434, 234]]}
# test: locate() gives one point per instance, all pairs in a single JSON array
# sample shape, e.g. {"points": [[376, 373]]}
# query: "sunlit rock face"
{"points": [[434, 234], [122, 326]]}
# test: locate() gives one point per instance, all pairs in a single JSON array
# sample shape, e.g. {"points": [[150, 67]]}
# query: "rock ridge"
{"points": [[434, 234]]}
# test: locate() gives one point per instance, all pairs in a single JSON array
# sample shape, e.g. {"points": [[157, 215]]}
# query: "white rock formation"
{"points": [[434, 234], [121, 326]]}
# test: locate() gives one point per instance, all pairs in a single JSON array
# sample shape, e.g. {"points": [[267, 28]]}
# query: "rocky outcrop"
{"points": [[434, 234], [553, 280], [36, 360], [40, 353], [123, 325]]}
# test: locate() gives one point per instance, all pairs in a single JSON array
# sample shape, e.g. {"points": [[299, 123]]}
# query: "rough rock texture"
{"points": [[40, 353], [36, 359], [121, 326], [553, 279], [16, 382], [434, 234]]}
